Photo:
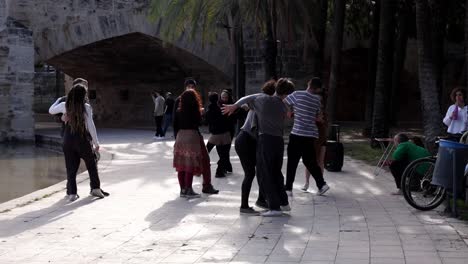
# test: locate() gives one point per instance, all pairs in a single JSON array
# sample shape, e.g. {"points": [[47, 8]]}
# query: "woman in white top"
{"points": [[78, 140], [456, 118]]}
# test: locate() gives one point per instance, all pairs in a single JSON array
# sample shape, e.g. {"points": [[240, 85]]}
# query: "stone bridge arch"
{"points": [[60, 32]]}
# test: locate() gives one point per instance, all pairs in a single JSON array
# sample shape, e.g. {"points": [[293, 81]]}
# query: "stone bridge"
{"points": [[112, 43]]}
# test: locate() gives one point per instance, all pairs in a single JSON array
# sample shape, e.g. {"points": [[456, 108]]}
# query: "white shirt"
{"points": [[58, 108], [158, 105], [459, 125]]}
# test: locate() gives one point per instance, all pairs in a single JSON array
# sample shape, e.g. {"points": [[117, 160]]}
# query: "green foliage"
{"points": [[194, 17]]}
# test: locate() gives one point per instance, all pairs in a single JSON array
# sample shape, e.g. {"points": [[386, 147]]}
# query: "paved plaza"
{"points": [[145, 221]]}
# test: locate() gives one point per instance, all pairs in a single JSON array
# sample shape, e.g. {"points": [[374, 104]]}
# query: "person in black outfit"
{"points": [[219, 126], [168, 111], [226, 99]]}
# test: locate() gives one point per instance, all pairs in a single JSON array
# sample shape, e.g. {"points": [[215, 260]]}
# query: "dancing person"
{"points": [[158, 113], [304, 134], [456, 118], [246, 149], [271, 113], [79, 139], [321, 143], [189, 159], [191, 84], [218, 126]]}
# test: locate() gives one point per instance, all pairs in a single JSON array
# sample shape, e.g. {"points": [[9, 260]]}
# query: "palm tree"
{"points": [[383, 84], [320, 32], [337, 43], [403, 23], [372, 62], [205, 18], [427, 82]]}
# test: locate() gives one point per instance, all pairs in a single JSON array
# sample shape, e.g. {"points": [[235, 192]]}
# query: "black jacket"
{"points": [[217, 122]]}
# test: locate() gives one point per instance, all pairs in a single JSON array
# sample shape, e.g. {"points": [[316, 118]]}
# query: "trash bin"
{"points": [[450, 165]]}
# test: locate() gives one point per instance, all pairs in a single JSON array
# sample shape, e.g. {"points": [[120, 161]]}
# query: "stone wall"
{"points": [[16, 80], [48, 86]]}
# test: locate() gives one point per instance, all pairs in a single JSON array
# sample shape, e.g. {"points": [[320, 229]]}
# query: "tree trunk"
{"points": [[427, 81], [466, 42], [321, 34], [373, 49], [400, 56], [439, 25], [383, 83], [241, 64], [337, 43], [270, 42]]}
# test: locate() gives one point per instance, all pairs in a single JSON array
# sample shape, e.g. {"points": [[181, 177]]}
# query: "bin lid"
{"points": [[452, 144]]}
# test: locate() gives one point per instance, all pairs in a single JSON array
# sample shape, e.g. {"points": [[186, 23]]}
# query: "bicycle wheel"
{"points": [[416, 185]]}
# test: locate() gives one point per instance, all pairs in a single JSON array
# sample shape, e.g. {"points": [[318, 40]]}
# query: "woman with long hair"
{"points": [[190, 157], [79, 138]]}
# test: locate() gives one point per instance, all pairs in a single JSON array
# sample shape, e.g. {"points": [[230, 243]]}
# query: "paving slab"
{"points": [[145, 221]]}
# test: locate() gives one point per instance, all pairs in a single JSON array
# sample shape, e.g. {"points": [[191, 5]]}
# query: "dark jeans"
{"points": [[397, 167], [167, 123], [77, 147], [302, 147], [270, 151], [246, 148], [158, 121]]}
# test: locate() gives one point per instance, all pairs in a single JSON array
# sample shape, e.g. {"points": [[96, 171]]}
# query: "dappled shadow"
{"points": [[35, 219]]}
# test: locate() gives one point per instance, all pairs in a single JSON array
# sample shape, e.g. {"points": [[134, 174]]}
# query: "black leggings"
{"points": [[246, 148], [76, 147]]}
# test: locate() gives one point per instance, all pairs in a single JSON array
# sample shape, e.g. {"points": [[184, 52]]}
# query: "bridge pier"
{"points": [[16, 80]]}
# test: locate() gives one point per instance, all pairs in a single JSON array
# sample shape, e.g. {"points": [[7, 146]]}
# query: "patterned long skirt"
{"points": [[189, 154]]}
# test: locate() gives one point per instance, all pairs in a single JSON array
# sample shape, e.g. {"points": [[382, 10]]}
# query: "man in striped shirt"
{"points": [[306, 106]]}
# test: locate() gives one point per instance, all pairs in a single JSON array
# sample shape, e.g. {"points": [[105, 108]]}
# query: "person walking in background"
{"points": [[218, 126], [405, 152], [168, 111], [80, 138], [246, 149], [158, 113], [191, 84], [456, 118], [321, 143], [303, 137]]}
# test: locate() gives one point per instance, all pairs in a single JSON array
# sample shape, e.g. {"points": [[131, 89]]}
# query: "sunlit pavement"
{"points": [[145, 221]]}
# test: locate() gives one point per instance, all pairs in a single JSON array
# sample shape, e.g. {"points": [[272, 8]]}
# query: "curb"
{"points": [[54, 144]]}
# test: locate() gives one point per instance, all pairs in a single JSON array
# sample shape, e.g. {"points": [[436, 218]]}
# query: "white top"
{"points": [[158, 105], [459, 125], [58, 108]]}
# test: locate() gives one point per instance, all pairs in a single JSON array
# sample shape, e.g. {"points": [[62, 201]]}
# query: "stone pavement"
{"points": [[144, 220]]}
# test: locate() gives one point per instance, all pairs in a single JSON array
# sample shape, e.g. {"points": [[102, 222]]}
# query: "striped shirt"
{"points": [[306, 106]]}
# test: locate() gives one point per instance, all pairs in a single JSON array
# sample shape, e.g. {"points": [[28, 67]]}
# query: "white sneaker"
{"points": [[97, 193], [272, 213], [323, 190], [397, 192], [285, 208], [73, 197], [289, 193], [305, 187]]}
